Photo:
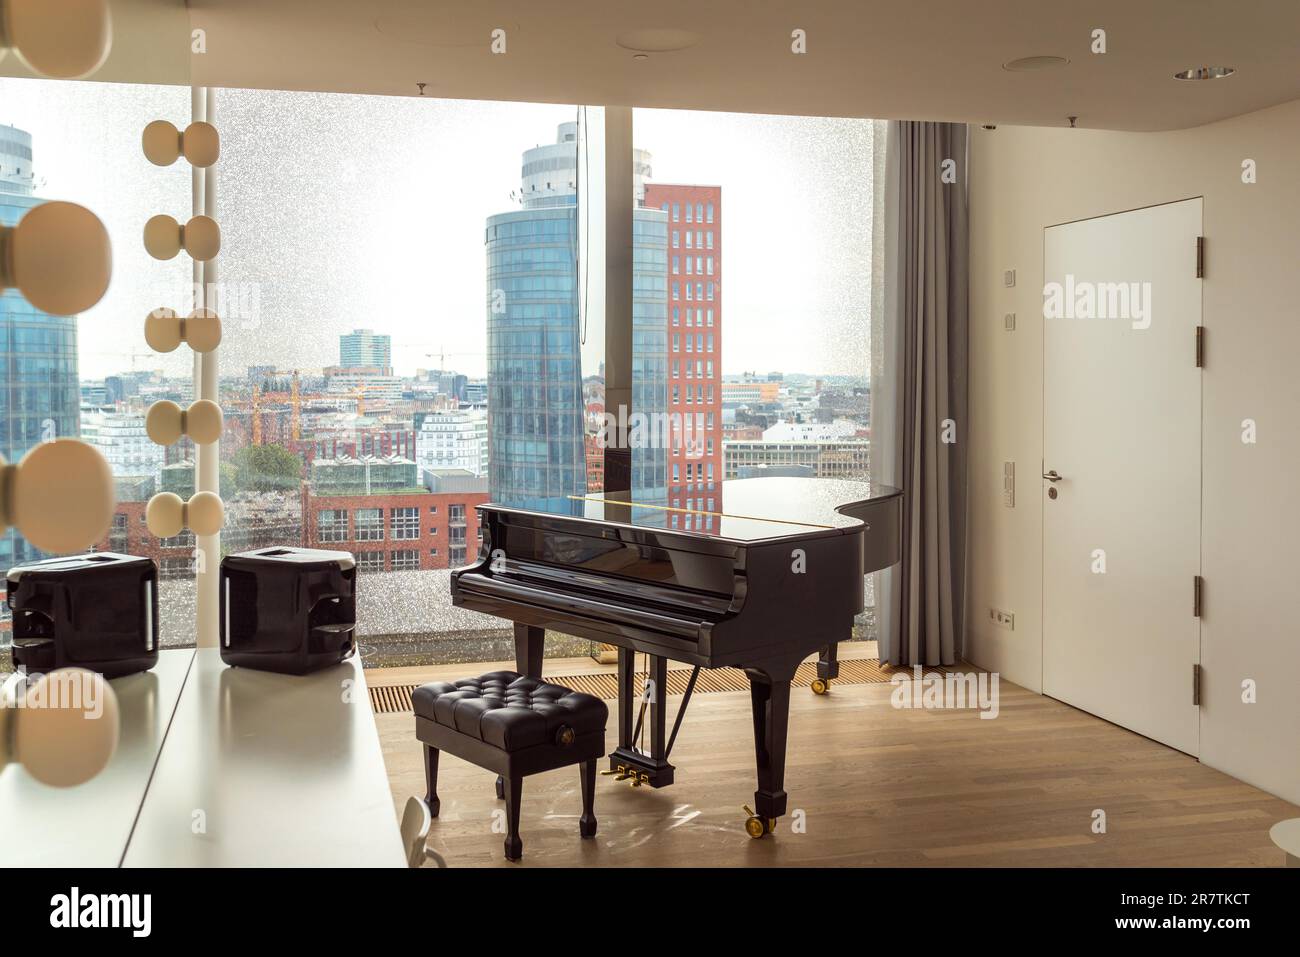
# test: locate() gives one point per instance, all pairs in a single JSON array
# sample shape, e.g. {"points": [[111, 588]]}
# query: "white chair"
{"points": [[1286, 835], [416, 820]]}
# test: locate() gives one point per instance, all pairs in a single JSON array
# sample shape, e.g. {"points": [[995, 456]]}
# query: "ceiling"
{"points": [[915, 59]]}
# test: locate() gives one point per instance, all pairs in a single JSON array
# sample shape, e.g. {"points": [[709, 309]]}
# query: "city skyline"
{"points": [[362, 254]]}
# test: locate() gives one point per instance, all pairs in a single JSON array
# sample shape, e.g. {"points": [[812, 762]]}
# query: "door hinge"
{"points": [[1198, 585], [1200, 347], [1196, 685], [1200, 257]]}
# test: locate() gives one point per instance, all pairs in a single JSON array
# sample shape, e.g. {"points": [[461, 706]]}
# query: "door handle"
{"points": [[1053, 476]]}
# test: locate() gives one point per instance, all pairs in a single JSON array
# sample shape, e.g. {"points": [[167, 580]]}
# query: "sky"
{"points": [[341, 211]]}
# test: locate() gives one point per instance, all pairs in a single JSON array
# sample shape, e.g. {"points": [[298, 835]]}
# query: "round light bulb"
{"points": [[60, 39], [162, 236], [206, 513], [60, 258], [73, 735], [203, 422], [201, 144], [161, 143], [202, 238], [163, 422], [164, 515], [162, 330], [203, 330], [61, 496]]}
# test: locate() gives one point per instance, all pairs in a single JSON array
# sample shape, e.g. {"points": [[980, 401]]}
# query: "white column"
{"points": [[207, 457]]}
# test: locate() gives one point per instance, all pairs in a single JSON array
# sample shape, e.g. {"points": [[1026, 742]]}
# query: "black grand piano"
{"points": [[773, 576]]}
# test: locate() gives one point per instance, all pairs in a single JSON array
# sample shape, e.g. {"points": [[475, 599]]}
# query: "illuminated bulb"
{"points": [[164, 330], [166, 422], [60, 496], [60, 39], [163, 144], [164, 237], [58, 257], [67, 730]]}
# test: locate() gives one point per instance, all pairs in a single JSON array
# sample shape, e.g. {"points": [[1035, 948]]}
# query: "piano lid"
{"points": [[745, 510]]}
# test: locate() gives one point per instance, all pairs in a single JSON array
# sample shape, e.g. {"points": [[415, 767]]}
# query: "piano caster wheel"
{"points": [[821, 685], [756, 826], [501, 789]]}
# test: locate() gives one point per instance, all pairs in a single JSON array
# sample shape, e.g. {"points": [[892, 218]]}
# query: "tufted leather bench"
{"points": [[516, 726]]}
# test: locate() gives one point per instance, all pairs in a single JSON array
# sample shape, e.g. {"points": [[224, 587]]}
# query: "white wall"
{"points": [[1024, 179]]}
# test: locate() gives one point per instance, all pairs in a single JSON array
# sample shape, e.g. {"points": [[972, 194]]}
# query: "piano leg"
{"points": [[529, 645], [828, 667], [769, 695]]}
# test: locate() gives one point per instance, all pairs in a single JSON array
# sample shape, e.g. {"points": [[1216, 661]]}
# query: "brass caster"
{"points": [[821, 685], [756, 826]]}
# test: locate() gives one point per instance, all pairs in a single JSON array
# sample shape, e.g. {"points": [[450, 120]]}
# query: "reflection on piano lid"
{"points": [[746, 510]]}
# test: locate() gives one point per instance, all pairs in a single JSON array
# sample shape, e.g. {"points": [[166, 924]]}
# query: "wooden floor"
{"points": [[877, 786]]}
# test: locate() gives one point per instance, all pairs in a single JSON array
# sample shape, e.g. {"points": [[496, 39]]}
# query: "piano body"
{"points": [[774, 575]]}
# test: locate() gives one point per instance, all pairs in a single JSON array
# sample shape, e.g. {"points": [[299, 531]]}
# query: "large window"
{"points": [[408, 332]]}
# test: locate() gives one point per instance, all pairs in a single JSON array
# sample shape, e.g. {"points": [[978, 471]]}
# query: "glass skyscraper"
{"points": [[40, 397], [536, 406], [363, 348]]}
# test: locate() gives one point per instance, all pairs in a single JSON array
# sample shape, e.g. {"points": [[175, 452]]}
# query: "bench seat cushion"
{"points": [[509, 710]]}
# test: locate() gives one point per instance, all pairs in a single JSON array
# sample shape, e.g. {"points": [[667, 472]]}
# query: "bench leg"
{"points": [[587, 823], [514, 789], [431, 780]]}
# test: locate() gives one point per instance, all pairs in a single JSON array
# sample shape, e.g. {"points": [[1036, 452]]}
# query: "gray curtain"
{"points": [[919, 388]]}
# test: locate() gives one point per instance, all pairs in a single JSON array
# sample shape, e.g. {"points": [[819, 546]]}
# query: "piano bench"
{"points": [[516, 726]]}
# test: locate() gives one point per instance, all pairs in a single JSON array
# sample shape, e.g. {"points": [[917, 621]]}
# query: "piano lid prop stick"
{"points": [[681, 711]]}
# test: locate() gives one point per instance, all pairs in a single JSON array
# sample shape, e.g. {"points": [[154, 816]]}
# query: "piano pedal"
{"points": [[638, 781], [756, 826], [821, 686], [619, 770]]}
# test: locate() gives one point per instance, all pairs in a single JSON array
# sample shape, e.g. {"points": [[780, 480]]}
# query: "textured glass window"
{"points": [[369, 561], [332, 525], [369, 524], [404, 560]]}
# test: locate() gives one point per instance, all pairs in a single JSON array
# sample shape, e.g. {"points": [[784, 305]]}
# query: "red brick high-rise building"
{"points": [[694, 346]]}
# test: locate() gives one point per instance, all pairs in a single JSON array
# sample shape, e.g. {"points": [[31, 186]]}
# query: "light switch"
{"points": [[1009, 277], [1009, 484]]}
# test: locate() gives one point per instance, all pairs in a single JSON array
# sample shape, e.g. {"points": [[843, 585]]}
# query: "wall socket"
{"points": [[1003, 619]]}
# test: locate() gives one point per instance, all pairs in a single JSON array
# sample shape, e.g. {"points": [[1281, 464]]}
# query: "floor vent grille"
{"points": [[395, 699]]}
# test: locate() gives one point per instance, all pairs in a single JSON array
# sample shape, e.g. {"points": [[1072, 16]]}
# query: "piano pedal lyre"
{"points": [[756, 826]]}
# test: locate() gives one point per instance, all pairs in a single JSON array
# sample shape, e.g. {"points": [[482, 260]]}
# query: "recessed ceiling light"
{"points": [[657, 40], [1205, 73], [1027, 64]]}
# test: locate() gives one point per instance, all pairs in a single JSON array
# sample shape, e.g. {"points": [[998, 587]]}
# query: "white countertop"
{"points": [[89, 826], [263, 769]]}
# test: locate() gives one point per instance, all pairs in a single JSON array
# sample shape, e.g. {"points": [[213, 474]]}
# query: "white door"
{"points": [[1122, 429]]}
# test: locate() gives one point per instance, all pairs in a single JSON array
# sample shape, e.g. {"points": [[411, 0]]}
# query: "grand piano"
{"points": [[774, 575]]}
